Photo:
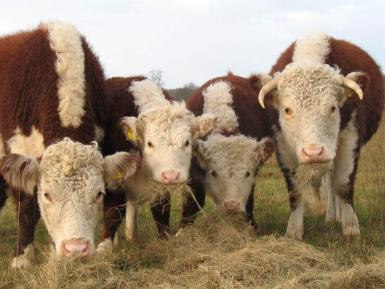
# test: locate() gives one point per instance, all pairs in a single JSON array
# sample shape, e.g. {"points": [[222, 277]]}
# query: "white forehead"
{"points": [[68, 162], [218, 101], [306, 85], [230, 152], [171, 120]]}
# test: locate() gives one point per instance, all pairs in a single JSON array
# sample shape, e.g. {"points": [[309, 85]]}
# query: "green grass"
{"points": [[220, 252]]}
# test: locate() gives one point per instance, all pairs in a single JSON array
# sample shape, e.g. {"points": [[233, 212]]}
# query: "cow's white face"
{"points": [[70, 184], [165, 136], [70, 192], [231, 164], [308, 98]]}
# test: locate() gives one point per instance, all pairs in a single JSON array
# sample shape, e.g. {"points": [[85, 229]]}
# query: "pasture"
{"points": [[221, 252]]}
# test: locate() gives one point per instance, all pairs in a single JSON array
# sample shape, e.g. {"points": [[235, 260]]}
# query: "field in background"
{"points": [[221, 252]]}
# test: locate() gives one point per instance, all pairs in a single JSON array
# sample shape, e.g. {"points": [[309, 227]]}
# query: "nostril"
{"points": [[170, 175], [231, 206], [76, 246]]}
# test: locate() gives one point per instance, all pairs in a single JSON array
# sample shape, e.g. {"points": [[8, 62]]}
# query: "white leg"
{"points": [[327, 187], [349, 220], [344, 166], [131, 223], [295, 224], [24, 260]]}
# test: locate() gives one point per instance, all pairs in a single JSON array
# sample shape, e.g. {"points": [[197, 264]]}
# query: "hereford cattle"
{"points": [[143, 117], [53, 108], [325, 103], [225, 164]]}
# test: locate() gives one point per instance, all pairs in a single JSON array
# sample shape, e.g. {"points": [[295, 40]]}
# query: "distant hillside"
{"points": [[183, 93]]}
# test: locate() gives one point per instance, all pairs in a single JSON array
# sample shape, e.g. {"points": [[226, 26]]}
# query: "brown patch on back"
{"points": [[28, 89], [252, 118], [349, 57]]}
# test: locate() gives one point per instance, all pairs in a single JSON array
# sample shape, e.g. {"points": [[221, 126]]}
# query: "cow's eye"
{"points": [[333, 109], [187, 143], [47, 197], [288, 110], [248, 174], [99, 195], [150, 144], [213, 173]]}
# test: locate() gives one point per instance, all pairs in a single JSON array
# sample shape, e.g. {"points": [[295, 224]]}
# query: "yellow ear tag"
{"points": [[131, 136], [119, 176]]}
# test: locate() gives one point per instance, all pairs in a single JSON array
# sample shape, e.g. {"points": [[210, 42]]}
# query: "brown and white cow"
{"points": [[325, 102], [144, 117], [225, 164], [53, 109]]}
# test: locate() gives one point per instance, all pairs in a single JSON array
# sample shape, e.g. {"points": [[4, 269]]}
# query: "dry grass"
{"points": [[222, 252]]}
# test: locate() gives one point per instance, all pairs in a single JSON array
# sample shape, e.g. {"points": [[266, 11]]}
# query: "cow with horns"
{"points": [[325, 102]]}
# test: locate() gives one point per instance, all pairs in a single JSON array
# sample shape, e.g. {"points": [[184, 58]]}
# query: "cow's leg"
{"points": [[345, 168], [192, 204], [297, 206], [343, 185], [28, 214], [327, 189], [250, 209], [161, 213], [131, 229], [3, 192], [114, 210], [295, 224]]}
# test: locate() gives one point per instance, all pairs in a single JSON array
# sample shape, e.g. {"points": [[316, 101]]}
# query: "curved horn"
{"points": [[353, 86], [269, 86]]}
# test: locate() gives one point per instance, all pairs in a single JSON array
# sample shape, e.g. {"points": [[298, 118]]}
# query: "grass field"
{"points": [[221, 252]]}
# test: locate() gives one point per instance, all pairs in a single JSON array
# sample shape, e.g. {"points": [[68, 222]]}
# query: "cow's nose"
{"points": [[313, 153], [170, 177], [231, 206], [79, 247]]}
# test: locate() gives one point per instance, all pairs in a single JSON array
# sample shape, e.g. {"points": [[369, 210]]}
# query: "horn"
{"points": [[269, 86], [347, 82]]}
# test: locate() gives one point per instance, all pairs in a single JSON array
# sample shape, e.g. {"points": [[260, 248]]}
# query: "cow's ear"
{"points": [[203, 125], [199, 156], [119, 167], [265, 147], [354, 84], [20, 172], [256, 81], [132, 129]]}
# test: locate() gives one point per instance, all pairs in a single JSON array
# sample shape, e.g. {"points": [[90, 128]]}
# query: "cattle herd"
{"points": [[72, 141]]}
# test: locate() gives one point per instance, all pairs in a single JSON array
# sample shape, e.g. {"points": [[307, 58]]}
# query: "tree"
{"points": [[156, 75]]}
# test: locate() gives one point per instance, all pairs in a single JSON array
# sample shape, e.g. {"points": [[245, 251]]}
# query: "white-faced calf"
{"points": [[225, 164], [52, 108], [164, 132]]}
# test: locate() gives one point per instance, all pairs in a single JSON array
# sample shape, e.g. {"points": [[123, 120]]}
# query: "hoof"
{"points": [[105, 247], [24, 260]]}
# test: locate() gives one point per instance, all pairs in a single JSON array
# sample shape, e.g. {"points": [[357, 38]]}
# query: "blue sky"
{"points": [[195, 40]]}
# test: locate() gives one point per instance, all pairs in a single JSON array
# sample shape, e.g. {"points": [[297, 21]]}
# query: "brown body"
{"points": [[252, 120], [29, 98]]}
